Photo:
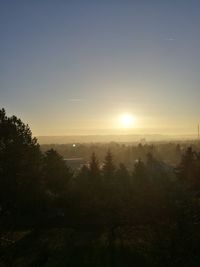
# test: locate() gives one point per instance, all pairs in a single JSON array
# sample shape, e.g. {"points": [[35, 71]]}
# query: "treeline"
{"points": [[126, 153], [38, 190]]}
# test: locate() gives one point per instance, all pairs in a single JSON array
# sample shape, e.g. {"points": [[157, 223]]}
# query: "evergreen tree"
{"points": [[188, 170], [94, 167], [122, 177], [108, 167], [56, 173], [139, 173], [183, 171], [20, 164]]}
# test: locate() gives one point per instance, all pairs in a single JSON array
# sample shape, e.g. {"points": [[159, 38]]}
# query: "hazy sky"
{"points": [[72, 67]]}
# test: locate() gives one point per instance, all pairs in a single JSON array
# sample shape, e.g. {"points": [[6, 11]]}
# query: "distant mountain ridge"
{"points": [[110, 138]]}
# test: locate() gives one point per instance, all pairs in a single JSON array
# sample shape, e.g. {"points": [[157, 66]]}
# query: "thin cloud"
{"points": [[75, 99], [170, 39]]}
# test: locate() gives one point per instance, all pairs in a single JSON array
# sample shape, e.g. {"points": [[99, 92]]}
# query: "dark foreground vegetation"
{"points": [[102, 215]]}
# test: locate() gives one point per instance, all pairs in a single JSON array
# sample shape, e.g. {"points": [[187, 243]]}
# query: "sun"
{"points": [[127, 120]]}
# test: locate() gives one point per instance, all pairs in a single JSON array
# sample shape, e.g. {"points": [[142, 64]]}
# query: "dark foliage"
{"points": [[102, 215]]}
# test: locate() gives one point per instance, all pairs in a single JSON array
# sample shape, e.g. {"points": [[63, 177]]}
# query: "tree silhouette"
{"points": [[186, 166], [56, 173], [20, 161], [108, 167], [94, 170], [139, 173], [122, 178]]}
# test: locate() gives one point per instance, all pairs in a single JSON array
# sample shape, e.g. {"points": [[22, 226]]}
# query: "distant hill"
{"points": [[110, 138]]}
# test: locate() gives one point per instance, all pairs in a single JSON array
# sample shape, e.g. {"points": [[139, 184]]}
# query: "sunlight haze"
{"points": [[71, 67]]}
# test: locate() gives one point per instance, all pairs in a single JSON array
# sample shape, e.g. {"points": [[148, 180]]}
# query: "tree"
{"points": [[188, 170], [139, 174], [122, 177], [56, 173], [108, 167], [83, 175], [185, 169], [94, 166], [20, 160]]}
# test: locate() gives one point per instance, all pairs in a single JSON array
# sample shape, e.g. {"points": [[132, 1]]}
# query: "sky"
{"points": [[73, 67]]}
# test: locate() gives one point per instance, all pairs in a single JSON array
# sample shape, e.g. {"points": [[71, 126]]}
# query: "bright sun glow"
{"points": [[127, 121]]}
